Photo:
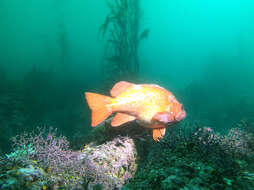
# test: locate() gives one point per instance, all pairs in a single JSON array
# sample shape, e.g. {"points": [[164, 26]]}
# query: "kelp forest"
{"points": [[123, 33]]}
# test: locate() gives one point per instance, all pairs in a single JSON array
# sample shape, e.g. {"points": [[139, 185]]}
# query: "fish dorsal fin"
{"points": [[158, 134], [121, 118], [119, 88]]}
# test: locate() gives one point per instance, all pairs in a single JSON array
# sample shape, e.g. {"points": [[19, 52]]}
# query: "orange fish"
{"points": [[153, 106]]}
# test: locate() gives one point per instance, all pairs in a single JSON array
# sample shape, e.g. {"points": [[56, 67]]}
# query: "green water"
{"points": [[51, 52]]}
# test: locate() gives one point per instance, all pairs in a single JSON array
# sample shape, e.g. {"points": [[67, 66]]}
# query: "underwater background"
{"points": [[52, 51]]}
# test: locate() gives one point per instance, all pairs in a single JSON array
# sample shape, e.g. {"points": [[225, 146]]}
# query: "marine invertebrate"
{"points": [[110, 164], [50, 152], [201, 159], [47, 158]]}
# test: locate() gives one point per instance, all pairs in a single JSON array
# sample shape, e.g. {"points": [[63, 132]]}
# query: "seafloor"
{"points": [[188, 158]]}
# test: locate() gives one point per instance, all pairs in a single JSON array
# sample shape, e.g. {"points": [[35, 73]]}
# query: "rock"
{"points": [[110, 164]]}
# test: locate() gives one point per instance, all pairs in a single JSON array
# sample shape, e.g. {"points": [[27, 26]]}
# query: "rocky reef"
{"points": [[199, 159], [188, 158], [44, 161]]}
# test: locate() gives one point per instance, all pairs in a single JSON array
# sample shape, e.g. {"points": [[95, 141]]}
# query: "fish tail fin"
{"points": [[99, 105]]}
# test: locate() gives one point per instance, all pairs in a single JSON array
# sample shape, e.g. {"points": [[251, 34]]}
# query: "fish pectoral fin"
{"points": [[121, 118], [119, 88], [163, 117], [158, 134]]}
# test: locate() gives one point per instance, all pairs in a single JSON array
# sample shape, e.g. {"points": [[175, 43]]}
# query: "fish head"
{"points": [[172, 113], [175, 109]]}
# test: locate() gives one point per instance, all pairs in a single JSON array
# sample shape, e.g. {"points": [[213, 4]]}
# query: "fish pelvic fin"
{"points": [[121, 118], [99, 104], [158, 134]]}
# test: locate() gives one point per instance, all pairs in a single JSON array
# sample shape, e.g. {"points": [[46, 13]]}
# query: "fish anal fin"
{"points": [[121, 118], [119, 88], [158, 134]]}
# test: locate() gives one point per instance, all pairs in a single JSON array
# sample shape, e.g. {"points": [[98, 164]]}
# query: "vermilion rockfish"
{"points": [[153, 106]]}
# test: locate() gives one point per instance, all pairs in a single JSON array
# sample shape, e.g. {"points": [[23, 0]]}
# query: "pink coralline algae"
{"points": [[110, 164]]}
